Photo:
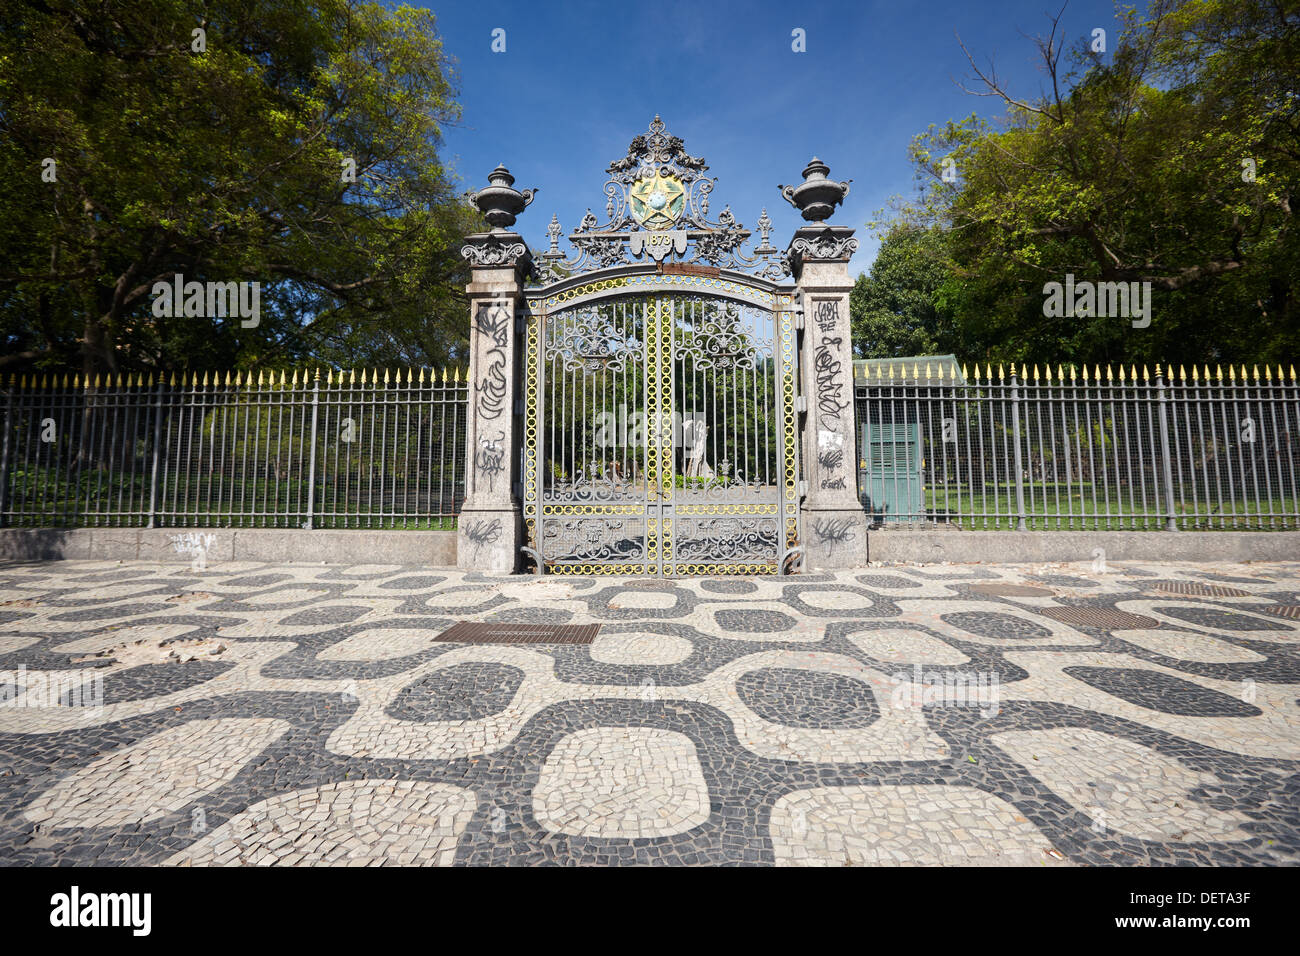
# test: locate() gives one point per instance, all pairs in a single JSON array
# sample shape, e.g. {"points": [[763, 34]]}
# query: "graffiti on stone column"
{"points": [[493, 322], [832, 532], [828, 315], [483, 531], [827, 368], [830, 456], [491, 458]]}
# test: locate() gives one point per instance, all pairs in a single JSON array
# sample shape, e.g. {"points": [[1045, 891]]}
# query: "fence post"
{"points": [[157, 450], [4, 452], [1015, 436], [1171, 522], [311, 461]]}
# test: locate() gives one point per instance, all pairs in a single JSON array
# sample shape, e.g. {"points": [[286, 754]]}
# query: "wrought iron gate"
{"points": [[659, 433]]}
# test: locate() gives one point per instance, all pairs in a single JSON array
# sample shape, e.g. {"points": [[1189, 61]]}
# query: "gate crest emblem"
{"points": [[659, 188], [657, 201]]}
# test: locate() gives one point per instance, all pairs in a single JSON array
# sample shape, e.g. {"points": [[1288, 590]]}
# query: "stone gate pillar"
{"points": [[490, 528], [834, 525]]}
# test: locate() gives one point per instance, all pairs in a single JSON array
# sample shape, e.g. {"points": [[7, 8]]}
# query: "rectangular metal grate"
{"points": [[1195, 588], [503, 632], [1102, 617], [1282, 610]]}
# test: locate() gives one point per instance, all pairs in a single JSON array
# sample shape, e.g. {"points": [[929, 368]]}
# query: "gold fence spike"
{"points": [[1292, 368], [1218, 372], [458, 375], [1133, 373], [1279, 372], [964, 374], [1232, 374], [1255, 370], [1121, 374], [23, 382], [916, 372], [385, 376], [1268, 375]]}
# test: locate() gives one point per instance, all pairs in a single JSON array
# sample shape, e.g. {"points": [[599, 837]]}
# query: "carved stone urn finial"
{"points": [[816, 197], [499, 202]]}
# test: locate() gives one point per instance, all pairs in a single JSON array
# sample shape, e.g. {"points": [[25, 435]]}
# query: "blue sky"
{"points": [[579, 79]]}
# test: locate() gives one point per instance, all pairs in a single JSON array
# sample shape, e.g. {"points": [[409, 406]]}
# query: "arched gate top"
{"points": [[649, 278]]}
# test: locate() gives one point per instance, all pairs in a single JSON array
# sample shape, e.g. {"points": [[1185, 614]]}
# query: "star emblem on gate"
{"points": [[657, 201]]}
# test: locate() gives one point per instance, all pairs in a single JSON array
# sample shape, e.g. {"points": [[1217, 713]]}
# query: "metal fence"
{"points": [[1107, 451], [1038, 450], [302, 450]]}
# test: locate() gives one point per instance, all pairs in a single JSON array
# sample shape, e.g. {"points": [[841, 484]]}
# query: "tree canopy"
{"points": [[153, 137], [1173, 159]]}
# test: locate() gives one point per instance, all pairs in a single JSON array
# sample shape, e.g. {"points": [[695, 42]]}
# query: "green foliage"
{"points": [[1132, 167], [227, 165]]}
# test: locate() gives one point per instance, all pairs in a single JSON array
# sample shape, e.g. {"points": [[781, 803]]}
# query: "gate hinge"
{"points": [[517, 489], [519, 406], [519, 323], [801, 403], [803, 487], [798, 315]]}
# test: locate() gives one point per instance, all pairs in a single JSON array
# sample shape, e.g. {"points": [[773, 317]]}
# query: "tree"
{"points": [[219, 144], [895, 309], [1171, 161]]}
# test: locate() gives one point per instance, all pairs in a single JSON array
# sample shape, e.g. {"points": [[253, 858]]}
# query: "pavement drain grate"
{"points": [[1102, 617], [1283, 610], [502, 632], [1011, 590], [1195, 589]]}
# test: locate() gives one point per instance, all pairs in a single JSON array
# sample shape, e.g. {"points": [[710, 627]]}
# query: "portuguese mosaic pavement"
{"points": [[1044, 715]]}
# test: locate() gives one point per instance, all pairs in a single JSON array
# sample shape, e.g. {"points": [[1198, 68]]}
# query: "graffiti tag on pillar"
{"points": [[832, 532], [491, 457], [483, 532], [828, 315], [830, 388], [493, 321]]}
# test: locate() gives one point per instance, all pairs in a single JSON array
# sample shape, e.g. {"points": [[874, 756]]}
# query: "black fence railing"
{"points": [[289, 450], [1100, 451]]}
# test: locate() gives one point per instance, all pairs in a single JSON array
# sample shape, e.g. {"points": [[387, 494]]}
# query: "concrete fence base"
{"points": [[179, 545], [438, 548], [1028, 547]]}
